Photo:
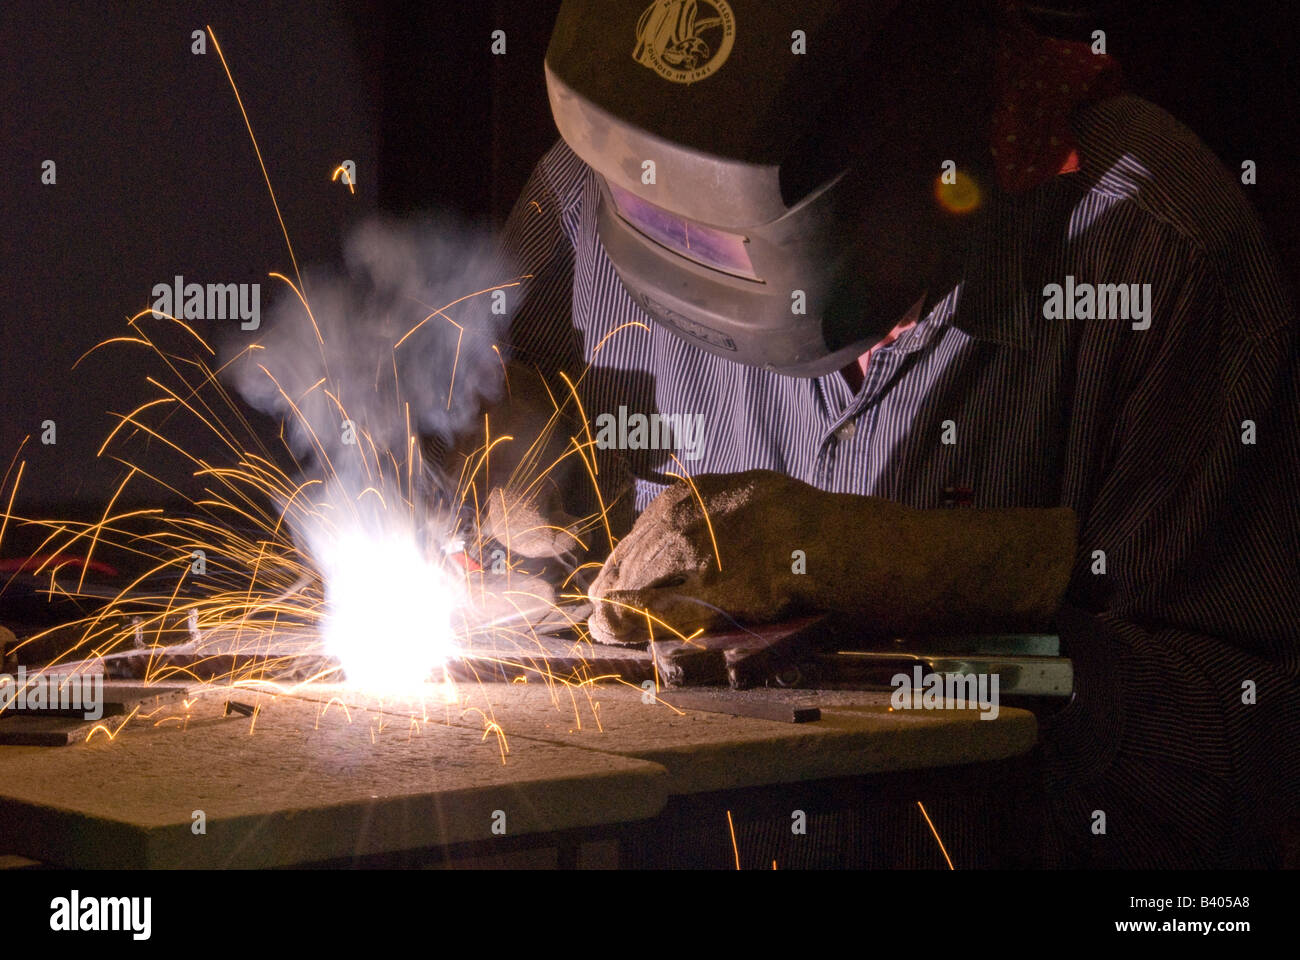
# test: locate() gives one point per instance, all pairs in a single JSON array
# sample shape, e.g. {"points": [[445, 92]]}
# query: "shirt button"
{"points": [[847, 431]]}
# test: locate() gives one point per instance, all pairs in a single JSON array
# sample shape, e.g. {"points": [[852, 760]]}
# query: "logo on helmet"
{"points": [[684, 40]]}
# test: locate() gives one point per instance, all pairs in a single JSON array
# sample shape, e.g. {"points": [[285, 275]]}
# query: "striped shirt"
{"points": [[1177, 444]]}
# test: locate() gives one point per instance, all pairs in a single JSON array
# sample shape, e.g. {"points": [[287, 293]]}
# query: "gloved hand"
{"points": [[531, 522], [787, 547]]}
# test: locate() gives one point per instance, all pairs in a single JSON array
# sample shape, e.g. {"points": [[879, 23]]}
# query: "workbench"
{"points": [[523, 774]]}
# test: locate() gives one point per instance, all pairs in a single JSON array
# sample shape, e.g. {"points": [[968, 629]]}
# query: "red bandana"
{"points": [[1039, 81]]}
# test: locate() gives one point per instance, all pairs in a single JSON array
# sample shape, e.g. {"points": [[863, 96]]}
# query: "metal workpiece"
{"points": [[1024, 676]]}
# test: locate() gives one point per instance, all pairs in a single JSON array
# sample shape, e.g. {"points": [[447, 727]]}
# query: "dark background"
{"points": [[157, 176]]}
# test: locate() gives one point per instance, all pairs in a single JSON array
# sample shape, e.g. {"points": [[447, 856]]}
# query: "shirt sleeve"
{"points": [[1183, 730]]}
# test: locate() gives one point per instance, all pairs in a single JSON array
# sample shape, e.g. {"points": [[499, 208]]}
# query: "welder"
{"points": [[830, 229]]}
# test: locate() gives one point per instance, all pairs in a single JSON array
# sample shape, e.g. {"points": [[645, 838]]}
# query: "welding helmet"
{"points": [[732, 176]]}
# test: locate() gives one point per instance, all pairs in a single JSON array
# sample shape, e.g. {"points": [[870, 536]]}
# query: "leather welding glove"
{"points": [[784, 547], [532, 523]]}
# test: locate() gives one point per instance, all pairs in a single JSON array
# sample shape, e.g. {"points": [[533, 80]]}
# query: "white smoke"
{"points": [[395, 276]]}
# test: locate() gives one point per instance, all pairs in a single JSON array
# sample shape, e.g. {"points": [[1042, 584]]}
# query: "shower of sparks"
{"points": [[372, 600], [386, 596]]}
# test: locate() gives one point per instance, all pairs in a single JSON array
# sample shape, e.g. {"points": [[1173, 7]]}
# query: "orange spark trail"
{"points": [[942, 848], [347, 177], [695, 490], [239, 100], [734, 849]]}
